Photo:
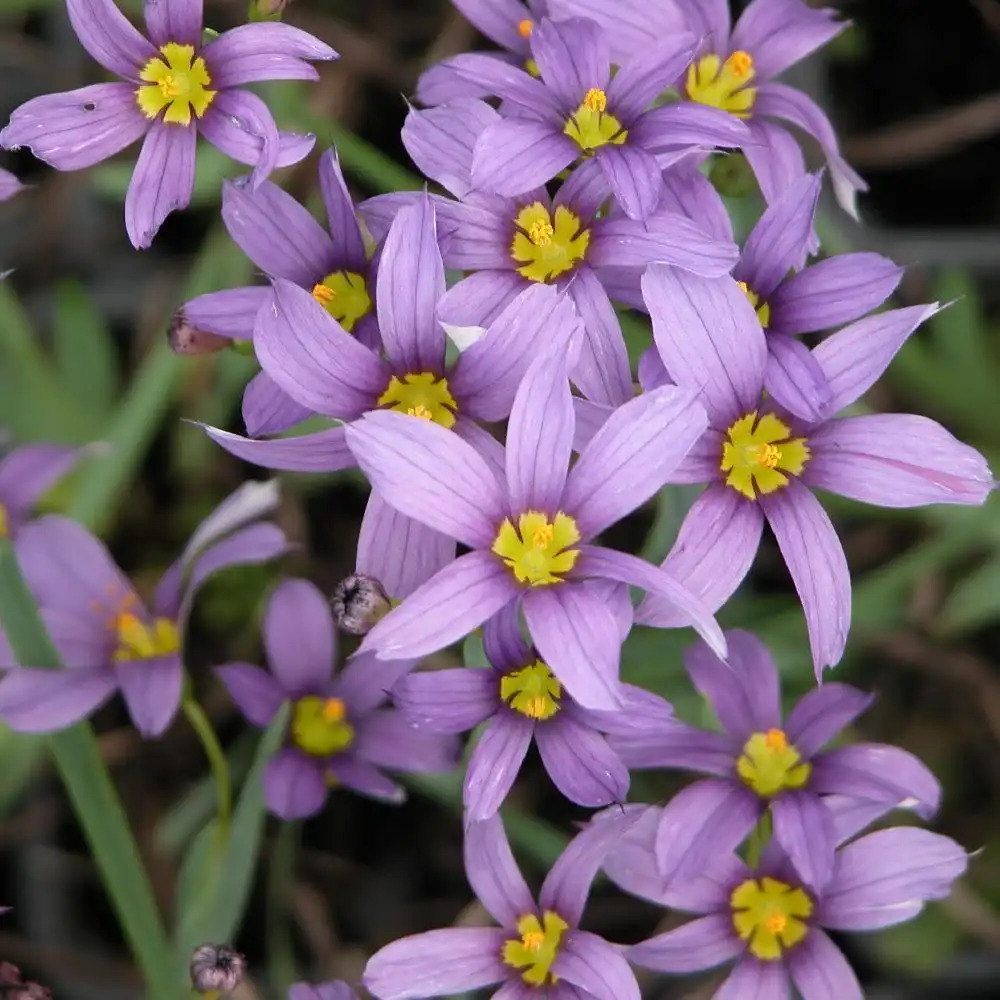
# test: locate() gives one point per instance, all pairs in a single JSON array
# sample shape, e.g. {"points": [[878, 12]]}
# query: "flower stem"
{"points": [[195, 714]]}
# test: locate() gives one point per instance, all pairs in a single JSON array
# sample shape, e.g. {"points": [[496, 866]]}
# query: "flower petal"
{"points": [[162, 181], [366, 779], [152, 691], [109, 37], [269, 50], [634, 178], [684, 127], [699, 944], [775, 157], [367, 682], [495, 762], [299, 637], [822, 713], [779, 33], [820, 971], [516, 155], [754, 980], [324, 451], [268, 409], [340, 214], [597, 968], [43, 701], [230, 313], [503, 642], [803, 828], [630, 25], [572, 56], [581, 763], [479, 298], [386, 738], [448, 701], [27, 473], [648, 71], [795, 379], [294, 785], [493, 873], [677, 745], [257, 694]]}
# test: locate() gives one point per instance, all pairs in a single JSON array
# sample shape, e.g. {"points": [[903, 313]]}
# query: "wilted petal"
{"points": [[162, 181]]}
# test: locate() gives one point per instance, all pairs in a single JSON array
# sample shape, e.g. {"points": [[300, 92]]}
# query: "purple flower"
{"points": [[760, 765], [26, 474], [771, 923], [340, 732], [528, 520], [9, 185], [324, 369], [761, 463], [513, 243], [538, 949], [334, 989], [106, 636], [519, 699], [285, 241], [576, 109], [172, 89]]}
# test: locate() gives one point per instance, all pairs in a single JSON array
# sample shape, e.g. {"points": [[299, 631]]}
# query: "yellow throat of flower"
{"points": [[545, 246], [536, 949], [421, 394], [770, 916], [723, 84], [344, 295], [590, 126], [758, 454], [178, 82], [320, 727], [770, 764], [538, 552], [139, 640], [762, 309], [532, 691]]}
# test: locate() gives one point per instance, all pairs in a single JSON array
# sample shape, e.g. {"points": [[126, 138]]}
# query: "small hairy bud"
{"points": [[185, 338], [358, 602], [216, 968], [266, 10]]}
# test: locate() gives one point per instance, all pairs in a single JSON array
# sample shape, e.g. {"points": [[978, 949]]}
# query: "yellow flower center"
{"points": [[320, 727], [536, 949], [139, 640], [544, 246], [770, 916], [757, 455], [723, 84], [538, 551], [769, 764], [532, 691], [762, 309], [421, 394], [525, 27], [590, 126], [4, 522], [344, 295], [177, 82]]}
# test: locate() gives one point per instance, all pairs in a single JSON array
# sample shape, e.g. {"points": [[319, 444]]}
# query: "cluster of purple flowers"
{"points": [[502, 415]]}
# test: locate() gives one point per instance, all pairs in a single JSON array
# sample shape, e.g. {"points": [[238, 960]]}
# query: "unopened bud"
{"points": [[216, 968], [358, 602], [185, 338], [266, 10]]}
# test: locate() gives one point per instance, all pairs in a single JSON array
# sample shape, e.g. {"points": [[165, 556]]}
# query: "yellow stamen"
{"points": [[525, 27], [344, 295], [319, 726], [144, 640], [538, 552], [540, 233], [770, 916], [545, 246], [723, 84], [178, 84], [769, 764], [334, 710], [596, 100], [757, 455], [762, 309], [421, 394], [590, 126], [537, 947], [533, 691]]}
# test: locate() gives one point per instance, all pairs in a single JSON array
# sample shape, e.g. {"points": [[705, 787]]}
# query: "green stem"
{"points": [[757, 841], [280, 873], [200, 723]]}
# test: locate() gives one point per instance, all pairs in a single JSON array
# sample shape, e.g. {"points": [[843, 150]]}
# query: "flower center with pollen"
{"points": [[769, 915], [590, 126], [532, 691], [769, 764], [762, 309], [536, 949], [723, 84], [178, 82], [757, 455], [344, 295], [546, 246], [525, 27], [538, 551], [139, 640], [421, 394], [320, 727]]}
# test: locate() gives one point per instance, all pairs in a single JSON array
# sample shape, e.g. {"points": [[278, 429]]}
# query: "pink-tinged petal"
{"points": [[879, 773], [648, 72], [324, 451], [778, 33], [350, 771], [299, 637], [340, 213], [804, 830], [700, 944], [503, 642], [445, 609], [795, 379], [399, 552], [174, 21], [29, 472], [493, 873], [854, 358], [437, 963], [581, 764], [478, 299], [755, 980], [228, 314], [430, 474], [256, 692], [309, 355], [576, 635], [597, 968], [268, 409], [713, 552], [822, 713], [516, 155], [78, 128], [162, 181], [263, 51], [820, 971], [709, 338], [677, 745], [43, 701], [109, 37], [833, 291], [386, 738], [634, 178], [448, 701], [495, 762], [884, 878], [572, 56], [632, 456], [410, 283], [701, 822], [815, 558], [294, 785], [896, 460], [152, 691], [277, 233]]}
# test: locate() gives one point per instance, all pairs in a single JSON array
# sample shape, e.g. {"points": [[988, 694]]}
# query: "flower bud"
{"points": [[185, 338], [358, 602], [12, 987], [266, 10], [216, 968]]}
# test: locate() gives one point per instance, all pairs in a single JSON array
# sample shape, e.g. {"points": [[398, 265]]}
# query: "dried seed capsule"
{"points": [[216, 968], [358, 602]]}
